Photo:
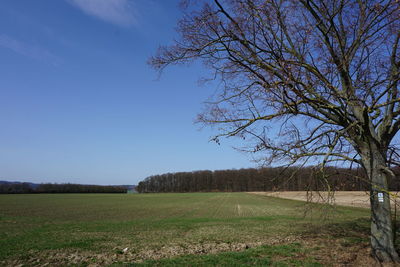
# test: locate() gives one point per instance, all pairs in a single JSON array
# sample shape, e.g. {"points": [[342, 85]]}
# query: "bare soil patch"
{"points": [[344, 198], [332, 251], [128, 255]]}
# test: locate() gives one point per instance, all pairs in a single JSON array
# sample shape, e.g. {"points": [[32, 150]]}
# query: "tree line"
{"points": [[28, 188], [262, 179]]}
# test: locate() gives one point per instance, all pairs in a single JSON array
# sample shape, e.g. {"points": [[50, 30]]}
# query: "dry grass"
{"points": [[344, 198]]}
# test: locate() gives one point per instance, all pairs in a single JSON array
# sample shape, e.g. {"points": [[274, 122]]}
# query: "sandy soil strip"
{"points": [[344, 198]]}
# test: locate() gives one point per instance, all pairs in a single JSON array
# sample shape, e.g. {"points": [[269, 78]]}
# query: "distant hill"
{"points": [[129, 187], [31, 185]]}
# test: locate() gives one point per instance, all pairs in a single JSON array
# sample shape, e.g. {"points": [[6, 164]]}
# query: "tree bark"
{"points": [[382, 235]]}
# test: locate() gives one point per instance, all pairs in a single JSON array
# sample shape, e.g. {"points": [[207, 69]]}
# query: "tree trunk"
{"points": [[382, 236]]}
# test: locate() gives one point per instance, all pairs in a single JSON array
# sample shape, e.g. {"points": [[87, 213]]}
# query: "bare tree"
{"points": [[323, 72]]}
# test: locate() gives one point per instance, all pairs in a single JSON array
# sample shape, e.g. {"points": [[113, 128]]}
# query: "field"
{"points": [[344, 198], [174, 229]]}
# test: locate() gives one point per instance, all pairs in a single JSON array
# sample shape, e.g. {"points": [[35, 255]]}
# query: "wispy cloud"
{"points": [[28, 50], [119, 12]]}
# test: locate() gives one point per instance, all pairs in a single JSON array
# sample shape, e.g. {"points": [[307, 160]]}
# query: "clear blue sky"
{"points": [[79, 104]]}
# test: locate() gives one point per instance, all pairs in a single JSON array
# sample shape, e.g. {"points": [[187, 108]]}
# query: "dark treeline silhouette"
{"points": [[27, 188], [263, 179]]}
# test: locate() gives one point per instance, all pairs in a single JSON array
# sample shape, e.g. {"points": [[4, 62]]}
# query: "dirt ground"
{"points": [[344, 198]]}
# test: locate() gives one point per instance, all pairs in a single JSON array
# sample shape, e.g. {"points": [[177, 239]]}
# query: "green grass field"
{"points": [[175, 229]]}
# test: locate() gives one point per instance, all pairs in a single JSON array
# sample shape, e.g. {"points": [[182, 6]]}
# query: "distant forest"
{"points": [[263, 179], [29, 188]]}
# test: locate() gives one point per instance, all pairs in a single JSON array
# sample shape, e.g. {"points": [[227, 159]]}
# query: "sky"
{"points": [[80, 104]]}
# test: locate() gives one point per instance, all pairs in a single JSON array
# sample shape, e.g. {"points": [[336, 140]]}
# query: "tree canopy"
{"points": [[327, 70]]}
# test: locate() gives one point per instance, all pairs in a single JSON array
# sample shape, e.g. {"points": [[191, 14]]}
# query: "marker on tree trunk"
{"points": [[380, 197]]}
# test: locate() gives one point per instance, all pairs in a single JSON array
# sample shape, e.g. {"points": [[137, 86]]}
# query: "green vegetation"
{"points": [[96, 228]]}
